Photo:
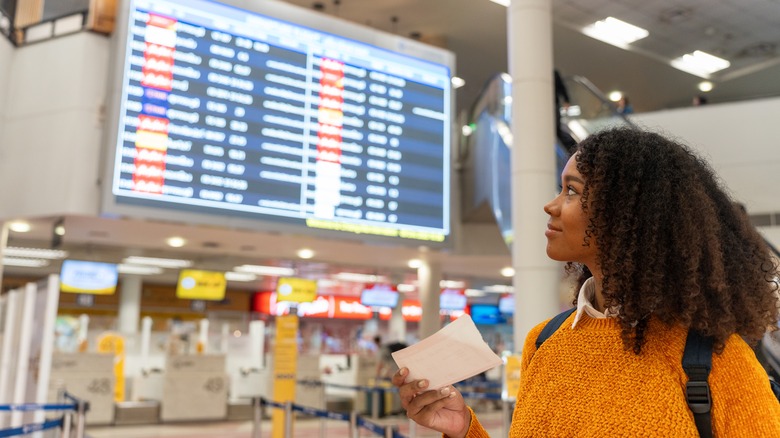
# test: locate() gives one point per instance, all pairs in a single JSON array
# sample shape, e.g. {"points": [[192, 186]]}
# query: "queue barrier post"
{"points": [[324, 404], [374, 397], [67, 420], [288, 419], [257, 424], [506, 419], [353, 425]]}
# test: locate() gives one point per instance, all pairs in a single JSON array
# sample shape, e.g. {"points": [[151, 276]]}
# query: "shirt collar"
{"points": [[585, 303]]}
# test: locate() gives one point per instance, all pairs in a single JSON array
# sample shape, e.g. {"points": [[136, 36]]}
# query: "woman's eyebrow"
{"points": [[569, 178]]}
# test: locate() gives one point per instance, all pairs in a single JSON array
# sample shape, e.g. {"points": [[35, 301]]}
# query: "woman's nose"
{"points": [[550, 207]]}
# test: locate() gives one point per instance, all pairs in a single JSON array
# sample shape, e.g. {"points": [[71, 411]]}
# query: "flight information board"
{"points": [[235, 111]]}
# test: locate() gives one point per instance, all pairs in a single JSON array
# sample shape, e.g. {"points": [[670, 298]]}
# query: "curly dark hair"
{"points": [[671, 242]]}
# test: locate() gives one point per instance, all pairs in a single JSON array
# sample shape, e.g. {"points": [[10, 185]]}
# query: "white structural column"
{"points": [[428, 278], [130, 304], [397, 325], [533, 162]]}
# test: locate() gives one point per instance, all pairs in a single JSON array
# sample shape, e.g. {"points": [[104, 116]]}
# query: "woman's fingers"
{"points": [[429, 402]]}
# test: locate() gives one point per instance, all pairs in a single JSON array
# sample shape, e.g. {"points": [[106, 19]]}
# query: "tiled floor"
{"points": [[303, 428]]}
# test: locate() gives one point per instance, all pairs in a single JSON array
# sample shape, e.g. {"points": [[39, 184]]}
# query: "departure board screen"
{"points": [[230, 111]]}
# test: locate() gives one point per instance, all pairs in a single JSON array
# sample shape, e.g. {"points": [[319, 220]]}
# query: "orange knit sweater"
{"points": [[583, 383]]}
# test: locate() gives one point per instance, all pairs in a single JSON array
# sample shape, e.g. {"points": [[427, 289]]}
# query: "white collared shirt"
{"points": [[585, 303]]}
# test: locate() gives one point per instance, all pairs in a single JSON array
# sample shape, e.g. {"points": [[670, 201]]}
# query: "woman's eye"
{"points": [[570, 191]]}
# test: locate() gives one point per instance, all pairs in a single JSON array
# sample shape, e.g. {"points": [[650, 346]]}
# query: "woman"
{"points": [[659, 248]]}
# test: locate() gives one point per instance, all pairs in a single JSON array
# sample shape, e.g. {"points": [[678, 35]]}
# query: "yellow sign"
{"points": [[201, 285], [114, 343], [296, 290], [285, 368], [512, 377]]}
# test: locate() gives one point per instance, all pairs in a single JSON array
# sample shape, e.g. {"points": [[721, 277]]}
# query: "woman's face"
{"points": [[566, 228]]}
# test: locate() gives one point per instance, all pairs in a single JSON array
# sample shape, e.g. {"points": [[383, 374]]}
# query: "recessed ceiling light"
{"points": [[414, 263], [41, 253], [157, 261], [124, 268], [26, 263], [273, 271], [615, 96], [700, 63], [305, 253], [59, 230], [615, 32], [19, 226], [508, 271], [240, 276], [457, 82], [705, 86], [176, 241]]}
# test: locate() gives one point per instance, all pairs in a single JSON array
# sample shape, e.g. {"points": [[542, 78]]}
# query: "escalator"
{"points": [[486, 144]]}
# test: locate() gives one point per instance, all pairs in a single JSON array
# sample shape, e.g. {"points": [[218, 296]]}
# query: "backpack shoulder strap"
{"points": [[552, 326], [697, 363]]}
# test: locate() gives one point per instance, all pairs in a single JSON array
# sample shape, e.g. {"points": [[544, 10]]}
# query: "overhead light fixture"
{"points": [[157, 261], [466, 130], [240, 276], [499, 288], [452, 284], [20, 226], [41, 253], [615, 32], [474, 293], [176, 241], [414, 263], [25, 263], [305, 253], [271, 271], [505, 3], [359, 278], [59, 230], [705, 86], [700, 63], [615, 95], [403, 287], [124, 268], [326, 282], [508, 271], [457, 82]]}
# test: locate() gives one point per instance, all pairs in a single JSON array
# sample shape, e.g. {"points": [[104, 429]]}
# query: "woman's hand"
{"points": [[442, 410]]}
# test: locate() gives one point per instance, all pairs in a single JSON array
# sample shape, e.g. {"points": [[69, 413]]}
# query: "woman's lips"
{"points": [[551, 230]]}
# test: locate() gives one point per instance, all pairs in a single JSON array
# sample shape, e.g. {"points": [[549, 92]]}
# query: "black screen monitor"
{"points": [[228, 112]]}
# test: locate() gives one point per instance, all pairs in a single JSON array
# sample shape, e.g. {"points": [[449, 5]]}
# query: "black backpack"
{"points": [[697, 363]]}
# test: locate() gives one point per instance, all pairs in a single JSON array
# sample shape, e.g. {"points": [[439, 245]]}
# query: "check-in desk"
{"points": [[195, 387], [87, 376]]}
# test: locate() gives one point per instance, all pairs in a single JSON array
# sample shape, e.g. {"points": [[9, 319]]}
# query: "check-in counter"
{"points": [[195, 387], [87, 376]]}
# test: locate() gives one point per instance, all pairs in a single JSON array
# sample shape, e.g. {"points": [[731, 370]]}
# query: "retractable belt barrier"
{"points": [[76, 409], [356, 421]]}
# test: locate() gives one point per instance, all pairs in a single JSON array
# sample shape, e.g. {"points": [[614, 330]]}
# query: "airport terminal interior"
{"points": [[222, 218]]}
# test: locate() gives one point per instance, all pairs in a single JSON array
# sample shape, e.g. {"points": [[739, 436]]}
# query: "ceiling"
{"points": [[745, 32], [742, 31]]}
